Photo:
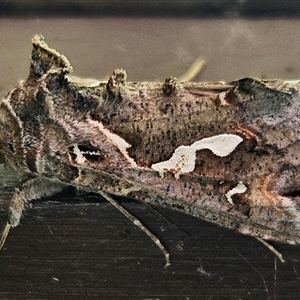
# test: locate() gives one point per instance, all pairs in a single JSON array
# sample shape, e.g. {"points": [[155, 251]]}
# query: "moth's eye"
{"points": [[11, 147]]}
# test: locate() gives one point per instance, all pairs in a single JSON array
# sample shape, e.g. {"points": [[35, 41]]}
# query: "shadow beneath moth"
{"points": [[227, 153]]}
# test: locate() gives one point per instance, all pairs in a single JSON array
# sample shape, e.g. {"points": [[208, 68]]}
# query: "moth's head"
{"points": [[22, 109]]}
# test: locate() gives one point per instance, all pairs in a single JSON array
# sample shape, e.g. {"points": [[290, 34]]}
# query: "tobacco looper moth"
{"points": [[224, 152]]}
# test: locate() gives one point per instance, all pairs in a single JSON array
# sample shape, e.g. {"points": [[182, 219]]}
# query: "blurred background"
{"points": [[178, 8], [77, 246]]}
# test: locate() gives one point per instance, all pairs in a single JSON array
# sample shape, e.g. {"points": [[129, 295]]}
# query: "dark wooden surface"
{"points": [[79, 247]]}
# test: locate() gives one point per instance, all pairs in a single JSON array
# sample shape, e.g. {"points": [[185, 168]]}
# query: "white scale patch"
{"points": [[116, 140], [184, 157], [240, 188], [80, 159]]}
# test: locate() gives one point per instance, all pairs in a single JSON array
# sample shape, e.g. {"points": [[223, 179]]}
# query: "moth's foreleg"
{"points": [[15, 210], [271, 248], [137, 222], [4, 235], [31, 189]]}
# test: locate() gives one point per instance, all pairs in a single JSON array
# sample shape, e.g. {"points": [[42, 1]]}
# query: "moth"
{"points": [[225, 152]]}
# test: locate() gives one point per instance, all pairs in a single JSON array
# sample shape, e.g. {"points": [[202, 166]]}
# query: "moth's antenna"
{"points": [[193, 71], [138, 223]]}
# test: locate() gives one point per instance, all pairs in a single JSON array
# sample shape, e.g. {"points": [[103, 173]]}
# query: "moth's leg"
{"points": [[33, 188], [137, 222], [193, 71], [271, 248], [4, 234]]}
